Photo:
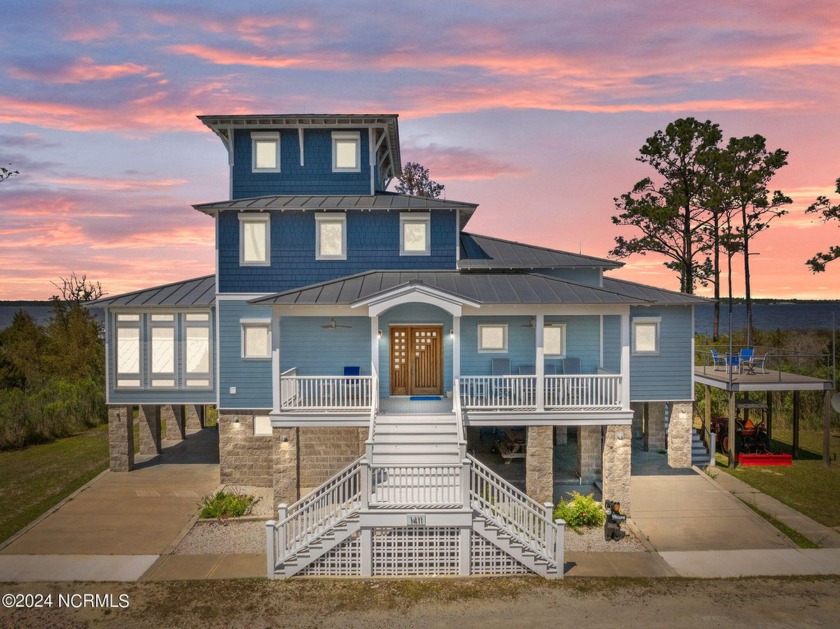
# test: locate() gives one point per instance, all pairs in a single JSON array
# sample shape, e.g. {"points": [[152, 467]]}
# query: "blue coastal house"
{"points": [[359, 344]]}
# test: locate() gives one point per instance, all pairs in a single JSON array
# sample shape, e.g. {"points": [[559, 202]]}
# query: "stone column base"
{"points": [[121, 438], [680, 430], [616, 474], [286, 475], [655, 426], [539, 464], [193, 417], [589, 453], [173, 416], [149, 429]]}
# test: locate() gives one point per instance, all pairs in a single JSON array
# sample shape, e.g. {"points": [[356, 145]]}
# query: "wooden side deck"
{"points": [[770, 381]]}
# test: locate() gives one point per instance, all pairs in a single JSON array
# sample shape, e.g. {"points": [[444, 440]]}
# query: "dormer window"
{"points": [[414, 234], [254, 239], [331, 237], [346, 152], [265, 152]]}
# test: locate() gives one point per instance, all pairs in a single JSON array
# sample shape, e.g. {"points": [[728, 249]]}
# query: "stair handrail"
{"points": [[521, 517], [320, 509], [459, 418], [374, 410]]}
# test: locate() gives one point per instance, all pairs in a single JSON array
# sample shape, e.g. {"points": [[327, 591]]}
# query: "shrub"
{"points": [[580, 511], [224, 505]]}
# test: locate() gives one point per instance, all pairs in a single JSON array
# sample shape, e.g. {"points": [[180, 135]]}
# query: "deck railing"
{"points": [[580, 392], [326, 393], [403, 486]]}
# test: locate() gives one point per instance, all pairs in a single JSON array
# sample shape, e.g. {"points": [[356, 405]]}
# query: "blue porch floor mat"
{"points": [[423, 398]]}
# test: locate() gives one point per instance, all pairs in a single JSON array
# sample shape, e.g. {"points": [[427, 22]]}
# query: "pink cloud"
{"points": [[455, 162], [80, 70]]}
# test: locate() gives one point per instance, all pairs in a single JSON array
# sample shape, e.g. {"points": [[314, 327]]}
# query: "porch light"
{"points": [[452, 333], [379, 334]]}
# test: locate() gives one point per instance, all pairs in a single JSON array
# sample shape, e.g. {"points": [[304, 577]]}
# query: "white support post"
{"points": [[300, 143], [540, 362], [374, 344], [456, 351], [464, 551], [275, 362], [270, 551], [367, 552], [559, 551], [364, 479], [625, 359], [282, 514], [465, 483], [372, 160]]}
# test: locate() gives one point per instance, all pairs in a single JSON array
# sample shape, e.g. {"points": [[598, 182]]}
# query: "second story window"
{"points": [[645, 340], [346, 151], [414, 234], [265, 152], [254, 239], [330, 237]]}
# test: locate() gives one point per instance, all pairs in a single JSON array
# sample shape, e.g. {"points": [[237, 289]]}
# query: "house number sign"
{"points": [[416, 519]]}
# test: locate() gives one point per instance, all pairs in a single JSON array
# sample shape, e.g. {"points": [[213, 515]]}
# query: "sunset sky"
{"points": [[534, 110]]}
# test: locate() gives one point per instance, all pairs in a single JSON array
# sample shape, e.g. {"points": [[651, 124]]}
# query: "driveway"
{"points": [[132, 517]]}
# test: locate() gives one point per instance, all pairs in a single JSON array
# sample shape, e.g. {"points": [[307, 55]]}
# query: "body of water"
{"points": [[814, 315], [40, 312]]}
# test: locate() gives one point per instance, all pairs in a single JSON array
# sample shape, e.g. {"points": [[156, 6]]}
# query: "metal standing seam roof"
{"points": [[380, 201], [485, 252], [652, 293], [197, 292], [486, 288]]}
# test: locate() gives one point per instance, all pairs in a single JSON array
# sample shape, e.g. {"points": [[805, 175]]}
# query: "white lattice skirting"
{"points": [[427, 551]]}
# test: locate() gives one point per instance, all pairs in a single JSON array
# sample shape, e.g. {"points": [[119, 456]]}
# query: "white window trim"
{"points": [[504, 327], [657, 321], [186, 376], [417, 218], [344, 136], [331, 218], [256, 136], [138, 375], [250, 217], [562, 353], [245, 323]]}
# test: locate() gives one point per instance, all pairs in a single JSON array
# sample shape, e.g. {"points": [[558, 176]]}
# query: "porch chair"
{"points": [[500, 367], [718, 360], [526, 388], [352, 385], [749, 361], [574, 391]]}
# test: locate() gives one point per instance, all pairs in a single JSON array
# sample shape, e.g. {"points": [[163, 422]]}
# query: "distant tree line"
{"points": [[52, 380]]}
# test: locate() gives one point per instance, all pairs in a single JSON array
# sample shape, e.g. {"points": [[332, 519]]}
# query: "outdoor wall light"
{"points": [[379, 334], [452, 333], [285, 438], [236, 419]]}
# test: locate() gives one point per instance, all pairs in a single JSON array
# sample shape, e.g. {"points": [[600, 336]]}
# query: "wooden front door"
{"points": [[417, 360]]}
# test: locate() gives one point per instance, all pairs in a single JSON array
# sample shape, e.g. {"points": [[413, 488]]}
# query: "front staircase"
{"points": [[415, 505]]}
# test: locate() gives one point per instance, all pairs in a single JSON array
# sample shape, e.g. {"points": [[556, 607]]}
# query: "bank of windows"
{"points": [[167, 364], [645, 336]]}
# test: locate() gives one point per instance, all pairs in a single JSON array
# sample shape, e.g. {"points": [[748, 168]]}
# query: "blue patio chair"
{"points": [[571, 366], [501, 367], [718, 360], [352, 385], [527, 370], [749, 361]]}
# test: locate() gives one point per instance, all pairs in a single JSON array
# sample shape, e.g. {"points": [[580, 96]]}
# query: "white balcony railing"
{"points": [[326, 393], [579, 392]]}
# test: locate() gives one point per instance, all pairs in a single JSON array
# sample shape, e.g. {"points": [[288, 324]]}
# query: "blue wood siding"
{"points": [[413, 313], [588, 276], [582, 341], [252, 378], [316, 351], [160, 396], [669, 375], [314, 177], [373, 242], [612, 343]]}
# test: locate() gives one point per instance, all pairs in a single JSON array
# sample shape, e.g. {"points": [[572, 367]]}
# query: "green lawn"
{"points": [[807, 485], [34, 479]]}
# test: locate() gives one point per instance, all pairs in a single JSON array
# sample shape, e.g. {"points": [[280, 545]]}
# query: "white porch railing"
{"points": [[590, 391], [499, 392], [580, 392], [326, 393], [403, 486]]}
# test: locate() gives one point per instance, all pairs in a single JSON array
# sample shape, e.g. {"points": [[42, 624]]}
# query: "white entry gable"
{"points": [[415, 292]]}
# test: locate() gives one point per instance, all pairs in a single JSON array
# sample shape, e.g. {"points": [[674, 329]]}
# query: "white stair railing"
{"points": [[316, 513], [402, 486], [499, 392], [512, 510], [459, 421]]}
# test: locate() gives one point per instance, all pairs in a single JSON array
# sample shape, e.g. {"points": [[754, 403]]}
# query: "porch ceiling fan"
{"points": [[332, 325], [532, 323]]}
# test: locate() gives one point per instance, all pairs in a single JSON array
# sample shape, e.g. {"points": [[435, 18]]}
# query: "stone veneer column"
{"points": [[244, 458], [616, 474], [539, 464], [149, 429], [192, 417], [679, 434], [589, 452], [173, 415], [655, 426], [638, 428], [285, 465], [121, 438]]}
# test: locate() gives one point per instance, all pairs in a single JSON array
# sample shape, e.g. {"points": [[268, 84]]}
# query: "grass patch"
{"points": [[798, 539], [807, 485], [36, 478]]}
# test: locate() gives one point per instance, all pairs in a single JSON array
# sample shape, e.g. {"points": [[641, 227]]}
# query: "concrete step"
{"points": [[443, 418], [415, 439], [408, 429], [415, 459]]}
